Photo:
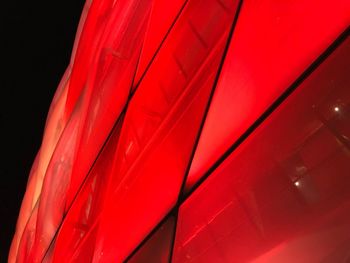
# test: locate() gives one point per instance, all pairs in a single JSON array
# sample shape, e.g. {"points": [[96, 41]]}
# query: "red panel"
{"points": [[160, 128], [26, 242], [81, 26], [26, 210], [53, 129], [54, 189], [85, 50], [283, 195], [162, 16], [48, 258], [88, 204], [273, 43], [85, 250], [109, 82], [157, 247], [59, 101]]}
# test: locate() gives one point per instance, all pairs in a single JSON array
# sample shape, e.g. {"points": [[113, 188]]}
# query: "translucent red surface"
{"points": [[109, 83], [83, 213], [52, 200], [162, 17], [85, 49], [157, 248], [283, 195], [175, 113], [160, 128], [273, 43]]}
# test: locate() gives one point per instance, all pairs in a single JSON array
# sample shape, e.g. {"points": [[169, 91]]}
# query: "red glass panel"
{"points": [[280, 195], [283, 194], [157, 247], [109, 82], [53, 130], [83, 213], [52, 200], [81, 27], [162, 16], [84, 52], [48, 258], [160, 128], [273, 43], [85, 250], [26, 210], [27, 239]]}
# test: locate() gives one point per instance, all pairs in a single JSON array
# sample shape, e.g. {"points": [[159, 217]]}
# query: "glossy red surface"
{"points": [[55, 186], [26, 241], [108, 86], [26, 210], [85, 49], [157, 247], [83, 213], [272, 45], [162, 17], [283, 195], [49, 253], [53, 130], [152, 98], [160, 129]]}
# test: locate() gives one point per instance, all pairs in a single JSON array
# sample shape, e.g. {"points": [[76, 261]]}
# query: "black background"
{"points": [[36, 39]]}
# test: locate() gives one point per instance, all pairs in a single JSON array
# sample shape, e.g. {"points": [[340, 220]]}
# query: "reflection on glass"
{"points": [[283, 195], [157, 248]]}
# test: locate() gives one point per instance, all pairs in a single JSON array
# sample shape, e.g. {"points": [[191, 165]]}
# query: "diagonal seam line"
{"points": [[174, 210], [119, 118], [229, 39], [160, 45], [303, 76], [132, 92], [224, 54]]}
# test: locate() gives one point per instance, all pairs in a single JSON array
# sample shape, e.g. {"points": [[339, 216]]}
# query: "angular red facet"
{"points": [[202, 118], [283, 194]]}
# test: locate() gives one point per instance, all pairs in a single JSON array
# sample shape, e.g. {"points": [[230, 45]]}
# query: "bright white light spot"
{"points": [[296, 183], [336, 109]]}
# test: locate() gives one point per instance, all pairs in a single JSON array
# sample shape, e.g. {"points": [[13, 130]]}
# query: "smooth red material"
{"points": [[86, 249], [283, 195], [85, 50], [127, 116], [26, 210], [273, 43], [109, 82], [163, 15], [84, 212], [26, 242], [55, 186], [160, 128], [48, 258], [157, 247]]}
